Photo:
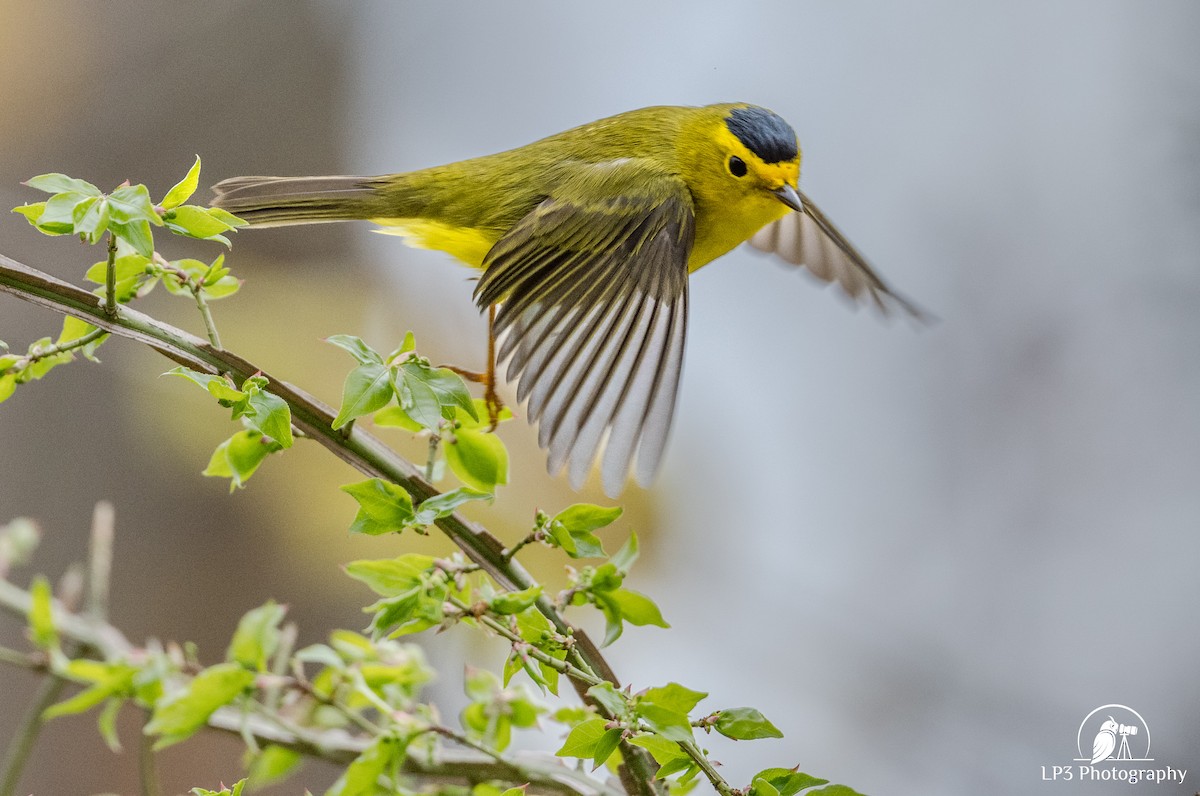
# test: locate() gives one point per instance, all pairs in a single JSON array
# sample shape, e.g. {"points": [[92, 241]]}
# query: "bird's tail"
{"points": [[277, 201]]}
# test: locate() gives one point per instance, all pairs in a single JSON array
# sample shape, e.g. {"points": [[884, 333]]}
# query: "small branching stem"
{"points": [[147, 765], [706, 765], [431, 459], [54, 350], [534, 536], [100, 555], [110, 278], [17, 754], [209, 326], [498, 627]]}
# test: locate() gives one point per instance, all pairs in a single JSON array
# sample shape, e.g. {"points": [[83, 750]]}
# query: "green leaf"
{"points": [[407, 345], [8, 385], [784, 781], [257, 636], [383, 507], [270, 414], [572, 529], [217, 386], [237, 790], [177, 717], [609, 698], [137, 234], [670, 724], [368, 389], [61, 183], [478, 458], [605, 747], [273, 764], [356, 347], [391, 577], [662, 750], [447, 386], [131, 204], [637, 608], [585, 517], [41, 615], [400, 614], [625, 557], [238, 457], [183, 190], [535, 628], [480, 419], [480, 685], [117, 680], [514, 602], [395, 417], [419, 401], [584, 739], [106, 723], [225, 217], [59, 212], [195, 222], [443, 505], [512, 664], [32, 212], [92, 223], [834, 790], [671, 696], [745, 724]]}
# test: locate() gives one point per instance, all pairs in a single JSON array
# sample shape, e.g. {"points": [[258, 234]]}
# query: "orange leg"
{"points": [[488, 377]]}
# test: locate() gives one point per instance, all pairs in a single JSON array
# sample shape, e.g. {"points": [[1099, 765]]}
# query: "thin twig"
{"points": [[14, 658], [19, 749], [209, 326], [100, 556], [110, 277], [534, 536], [54, 350], [431, 458], [710, 771], [148, 765]]}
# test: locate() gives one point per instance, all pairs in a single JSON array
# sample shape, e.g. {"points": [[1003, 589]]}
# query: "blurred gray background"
{"points": [[925, 555]]}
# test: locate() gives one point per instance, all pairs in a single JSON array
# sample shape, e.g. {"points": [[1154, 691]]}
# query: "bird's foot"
{"points": [[492, 398]]}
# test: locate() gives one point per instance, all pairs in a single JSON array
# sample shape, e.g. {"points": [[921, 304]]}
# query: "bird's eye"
{"points": [[737, 166]]}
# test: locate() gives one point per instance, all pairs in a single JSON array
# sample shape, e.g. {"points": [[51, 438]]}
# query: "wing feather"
{"points": [[592, 289], [807, 238]]}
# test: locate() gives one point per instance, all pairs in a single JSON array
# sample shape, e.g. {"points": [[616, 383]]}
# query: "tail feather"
{"points": [[276, 201]]}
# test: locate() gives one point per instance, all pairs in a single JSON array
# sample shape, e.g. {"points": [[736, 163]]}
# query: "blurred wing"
{"points": [[592, 287], [806, 237]]}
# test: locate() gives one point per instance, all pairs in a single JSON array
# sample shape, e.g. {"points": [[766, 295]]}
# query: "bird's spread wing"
{"points": [[806, 237], [592, 287]]}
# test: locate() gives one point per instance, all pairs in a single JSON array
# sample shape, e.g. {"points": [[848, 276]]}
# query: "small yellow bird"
{"points": [[585, 240]]}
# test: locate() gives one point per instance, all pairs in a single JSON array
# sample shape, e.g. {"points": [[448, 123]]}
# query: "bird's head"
{"points": [[760, 156]]}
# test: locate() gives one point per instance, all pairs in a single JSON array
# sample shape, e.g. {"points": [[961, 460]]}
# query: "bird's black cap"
{"points": [[764, 133]]}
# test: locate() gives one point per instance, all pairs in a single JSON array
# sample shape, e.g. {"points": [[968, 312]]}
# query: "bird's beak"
{"points": [[788, 195]]}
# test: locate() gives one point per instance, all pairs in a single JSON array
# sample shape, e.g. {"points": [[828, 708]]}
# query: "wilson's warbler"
{"points": [[585, 240]]}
